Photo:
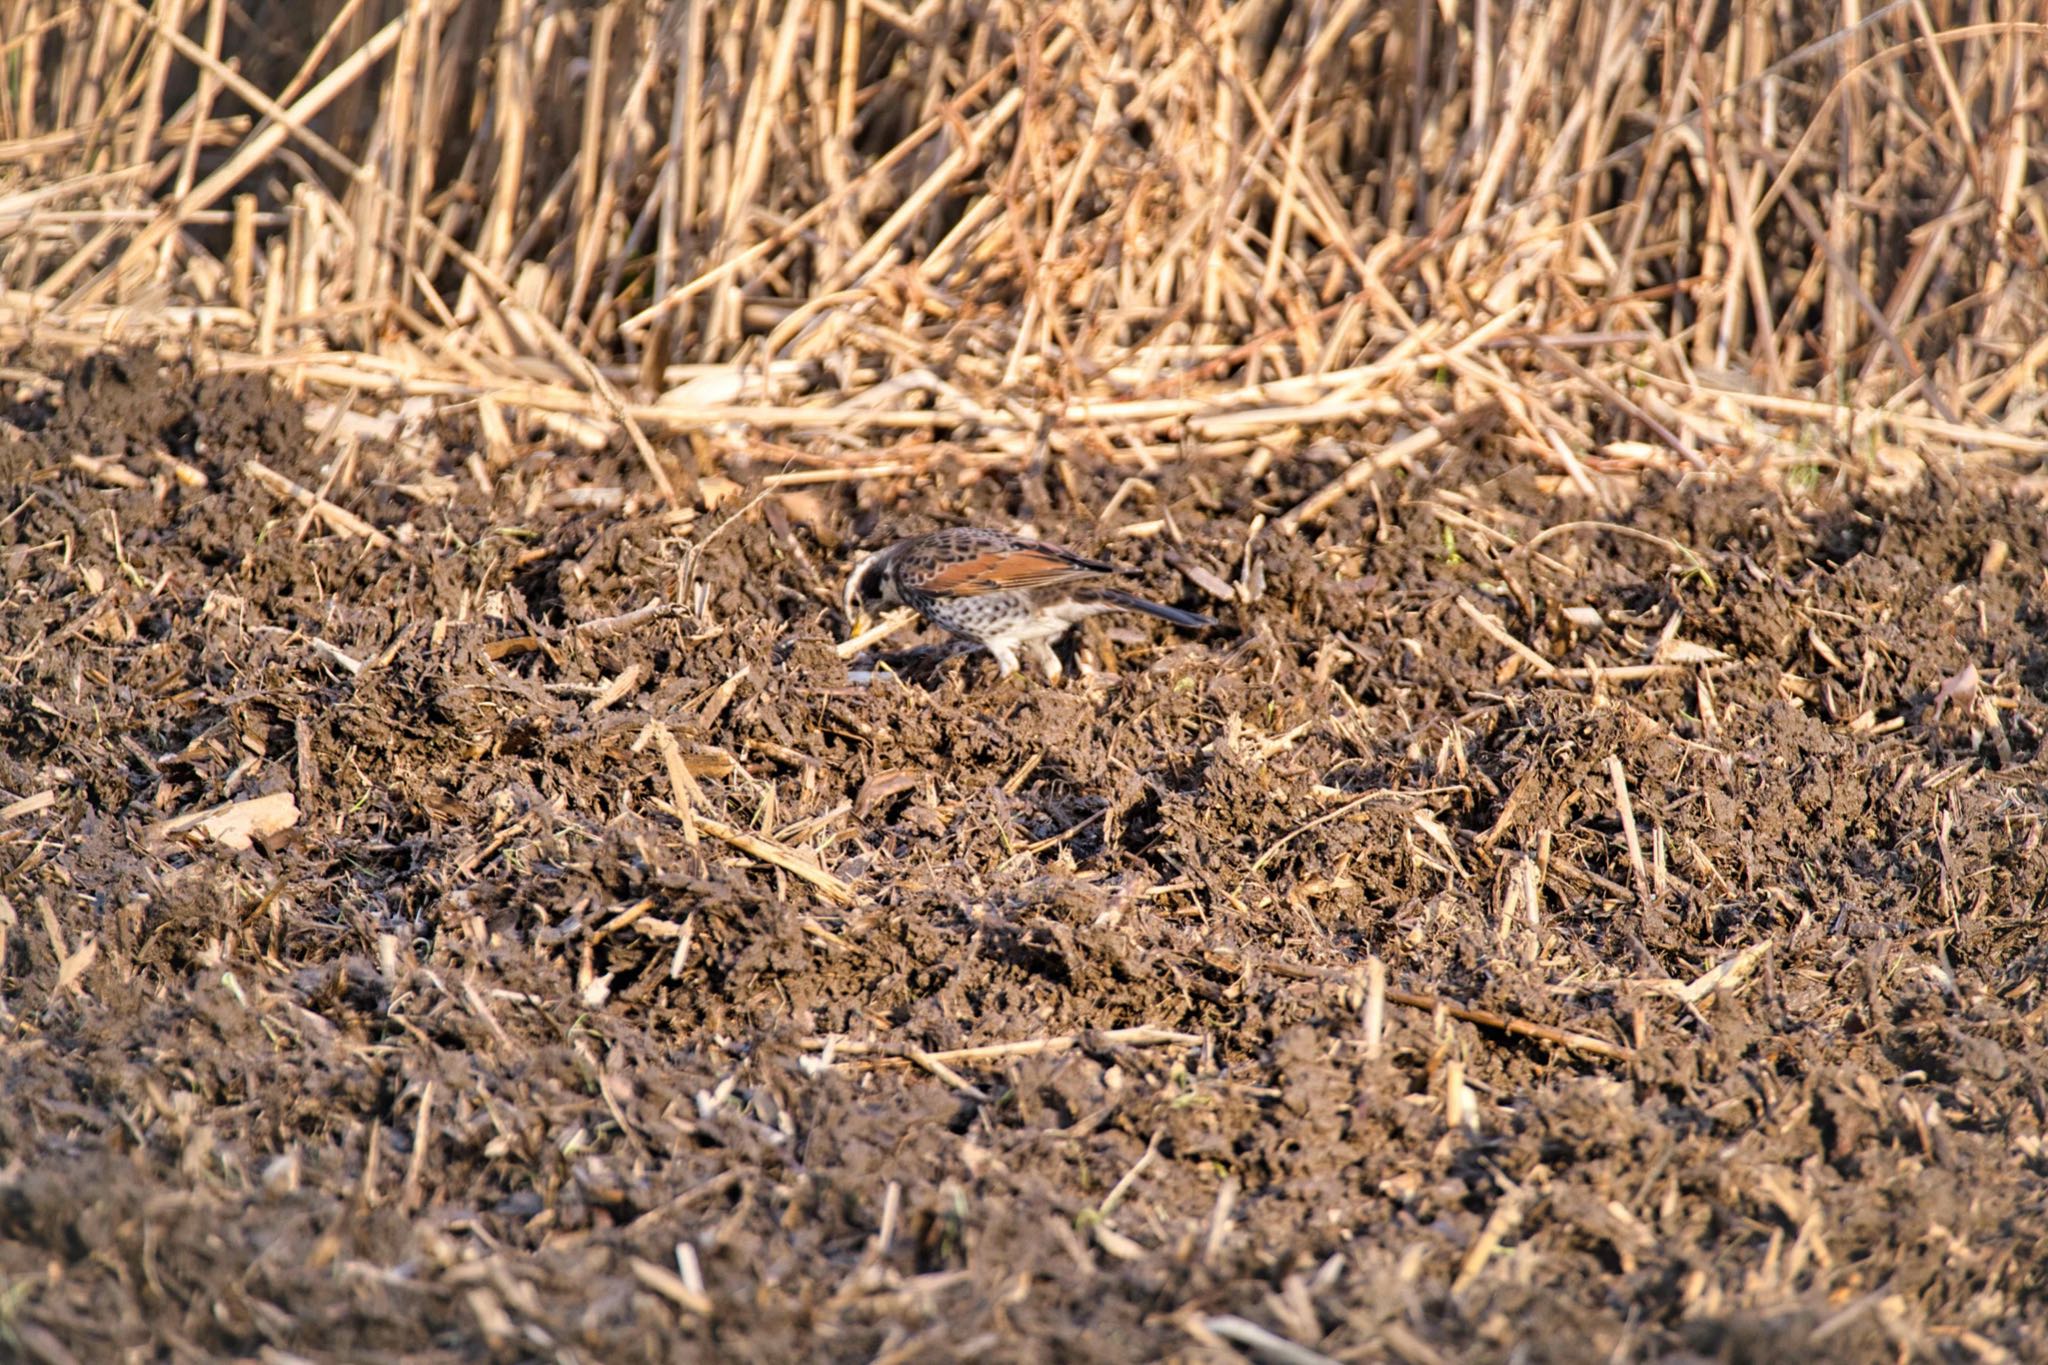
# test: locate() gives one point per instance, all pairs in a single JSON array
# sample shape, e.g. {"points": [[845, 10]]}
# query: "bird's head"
{"points": [[870, 589]]}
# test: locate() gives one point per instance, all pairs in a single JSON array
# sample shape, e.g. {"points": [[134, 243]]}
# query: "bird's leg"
{"points": [[1004, 655], [1041, 653]]}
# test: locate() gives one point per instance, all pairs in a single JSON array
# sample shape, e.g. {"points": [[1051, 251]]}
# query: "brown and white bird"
{"points": [[1007, 594]]}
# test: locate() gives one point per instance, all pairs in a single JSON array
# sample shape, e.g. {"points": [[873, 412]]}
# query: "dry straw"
{"points": [[1630, 232]]}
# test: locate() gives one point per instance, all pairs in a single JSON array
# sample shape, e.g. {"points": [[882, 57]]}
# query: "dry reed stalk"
{"points": [[1129, 217]]}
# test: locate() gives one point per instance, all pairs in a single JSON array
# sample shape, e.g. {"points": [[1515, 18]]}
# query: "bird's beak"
{"points": [[860, 625]]}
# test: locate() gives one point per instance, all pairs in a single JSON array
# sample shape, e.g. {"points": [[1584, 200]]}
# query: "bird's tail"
{"points": [[1186, 620]]}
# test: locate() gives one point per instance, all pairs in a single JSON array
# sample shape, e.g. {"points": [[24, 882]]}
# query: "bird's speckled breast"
{"points": [[976, 617]]}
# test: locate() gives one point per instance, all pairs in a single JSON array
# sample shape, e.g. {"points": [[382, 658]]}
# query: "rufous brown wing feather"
{"points": [[1005, 571]]}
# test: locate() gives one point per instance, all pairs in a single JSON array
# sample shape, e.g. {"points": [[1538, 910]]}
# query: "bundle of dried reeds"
{"points": [[1638, 231]]}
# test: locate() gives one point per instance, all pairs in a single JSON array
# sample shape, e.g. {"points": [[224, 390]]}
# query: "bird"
{"points": [[1008, 594]]}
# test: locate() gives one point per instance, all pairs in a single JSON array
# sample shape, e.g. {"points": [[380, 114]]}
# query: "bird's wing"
{"points": [[1011, 567]]}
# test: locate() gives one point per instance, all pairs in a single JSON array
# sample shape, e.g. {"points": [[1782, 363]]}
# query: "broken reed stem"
{"points": [[410, 1196], [1490, 624], [1618, 775], [1263, 1344], [605, 626], [797, 864], [682, 786], [1374, 1016], [876, 1052], [670, 1286], [337, 517], [900, 618], [29, 805], [946, 1073]]}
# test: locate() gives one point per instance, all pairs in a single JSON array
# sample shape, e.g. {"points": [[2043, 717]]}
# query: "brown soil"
{"points": [[489, 1055]]}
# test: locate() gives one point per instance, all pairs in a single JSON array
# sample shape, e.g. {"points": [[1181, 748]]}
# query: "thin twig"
{"points": [[1415, 1000], [1141, 1036]]}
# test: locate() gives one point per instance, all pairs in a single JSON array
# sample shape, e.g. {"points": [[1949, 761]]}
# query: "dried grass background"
{"points": [[1632, 232]]}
